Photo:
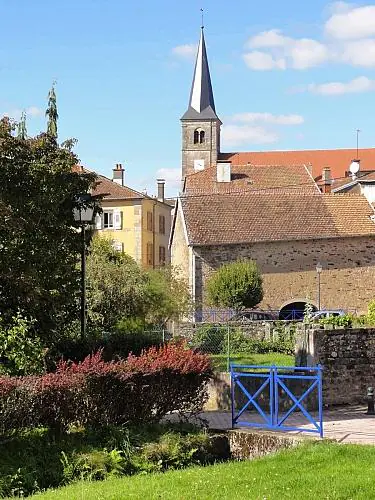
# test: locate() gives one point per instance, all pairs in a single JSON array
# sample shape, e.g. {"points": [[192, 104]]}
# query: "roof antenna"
{"points": [[202, 24], [355, 164], [358, 131]]}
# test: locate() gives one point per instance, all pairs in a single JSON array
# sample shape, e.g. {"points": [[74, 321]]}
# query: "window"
{"points": [[161, 224], [108, 219], [150, 254], [162, 256], [199, 136], [150, 225]]}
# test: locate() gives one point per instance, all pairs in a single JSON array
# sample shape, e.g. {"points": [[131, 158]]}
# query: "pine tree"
{"points": [[52, 114], [21, 128]]}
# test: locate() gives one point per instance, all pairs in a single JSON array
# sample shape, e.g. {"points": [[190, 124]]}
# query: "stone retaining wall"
{"points": [[348, 360]]}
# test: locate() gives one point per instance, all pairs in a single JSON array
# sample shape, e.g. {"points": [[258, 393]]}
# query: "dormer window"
{"points": [[199, 136]]}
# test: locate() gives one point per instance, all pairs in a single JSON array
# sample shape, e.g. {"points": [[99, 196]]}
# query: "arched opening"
{"points": [[196, 136], [295, 310], [201, 137]]}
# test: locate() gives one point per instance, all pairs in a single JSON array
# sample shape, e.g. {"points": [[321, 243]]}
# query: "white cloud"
{"points": [[236, 135], [31, 112], [284, 51], [357, 85], [360, 53], [351, 23], [266, 39], [172, 176], [268, 118], [262, 61], [187, 51], [307, 53], [34, 111]]}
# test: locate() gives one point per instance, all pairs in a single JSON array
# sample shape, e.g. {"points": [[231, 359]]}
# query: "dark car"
{"points": [[252, 315]]}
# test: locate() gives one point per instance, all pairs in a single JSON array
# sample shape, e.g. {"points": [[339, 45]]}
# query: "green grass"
{"points": [[315, 471], [270, 358]]}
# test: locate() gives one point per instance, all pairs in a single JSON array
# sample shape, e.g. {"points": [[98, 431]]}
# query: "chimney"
{"points": [[223, 172], [326, 180], [161, 184], [118, 174]]}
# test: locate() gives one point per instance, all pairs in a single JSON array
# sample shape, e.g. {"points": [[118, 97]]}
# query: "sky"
{"points": [[286, 75]]}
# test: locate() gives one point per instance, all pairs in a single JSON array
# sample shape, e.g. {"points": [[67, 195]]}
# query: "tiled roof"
{"points": [[250, 177], [219, 219], [337, 159], [348, 181], [113, 191], [108, 189]]}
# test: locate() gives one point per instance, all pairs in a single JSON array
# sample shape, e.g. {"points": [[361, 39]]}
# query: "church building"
{"points": [[278, 208]]}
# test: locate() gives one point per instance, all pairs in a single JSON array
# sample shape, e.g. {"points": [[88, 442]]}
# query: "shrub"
{"points": [[210, 339], [94, 392], [21, 353], [236, 285]]}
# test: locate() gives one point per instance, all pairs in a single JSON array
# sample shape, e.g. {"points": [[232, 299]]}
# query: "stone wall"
{"points": [[348, 360], [289, 274], [260, 330]]}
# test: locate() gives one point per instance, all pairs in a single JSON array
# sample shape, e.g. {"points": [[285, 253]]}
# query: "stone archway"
{"points": [[294, 309]]}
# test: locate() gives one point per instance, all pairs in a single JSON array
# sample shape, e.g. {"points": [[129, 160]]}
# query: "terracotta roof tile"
{"points": [[250, 177], [362, 176], [113, 191], [337, 159], [218, 219]]}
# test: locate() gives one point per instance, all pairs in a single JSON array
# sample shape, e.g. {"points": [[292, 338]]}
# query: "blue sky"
{"points": [[286, 75]]}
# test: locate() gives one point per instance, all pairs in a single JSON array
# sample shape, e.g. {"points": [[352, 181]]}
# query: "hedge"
{"points": [[142, 389]]}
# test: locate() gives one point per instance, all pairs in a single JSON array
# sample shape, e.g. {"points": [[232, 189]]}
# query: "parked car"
{"points": [[252, 315], [316, 316]]}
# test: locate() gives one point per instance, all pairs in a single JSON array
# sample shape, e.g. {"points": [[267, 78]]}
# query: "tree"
{"points": [[115, 285], [167, 296], [52, 114], [21, 127], [118, 289], [39, 243], [236, 285]]}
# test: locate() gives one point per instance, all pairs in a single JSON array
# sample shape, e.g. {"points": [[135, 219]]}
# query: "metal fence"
{"points": [[230, 343], [277, 398]]}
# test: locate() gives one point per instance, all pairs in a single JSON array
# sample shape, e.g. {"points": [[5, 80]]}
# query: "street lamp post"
{"points": [[319, 269], [83, 214]]}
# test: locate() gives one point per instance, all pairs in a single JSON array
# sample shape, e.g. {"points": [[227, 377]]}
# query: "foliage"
{"points": [[371, 312], [21, 127], [20, 353], [35, 460], [115, 285], [333, 471], [52, 114], [38, 239], [167, 296], [120, 292], [236, 285], [308, 311], [345, 321], [94, 392], [220, 361], [214, 340]]}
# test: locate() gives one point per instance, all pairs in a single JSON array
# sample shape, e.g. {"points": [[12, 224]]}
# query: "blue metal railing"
{"points": [[273, 381]]}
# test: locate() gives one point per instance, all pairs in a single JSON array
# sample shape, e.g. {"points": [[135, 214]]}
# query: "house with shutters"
{"points": [[136, 223], [278, 208]]}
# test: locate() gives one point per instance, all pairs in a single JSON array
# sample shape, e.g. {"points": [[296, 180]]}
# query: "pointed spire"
{"points": [[21, 127], [201, 104], [51, 112]]}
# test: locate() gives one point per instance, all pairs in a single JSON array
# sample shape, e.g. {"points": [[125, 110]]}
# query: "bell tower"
{"points": [[200, 123]]}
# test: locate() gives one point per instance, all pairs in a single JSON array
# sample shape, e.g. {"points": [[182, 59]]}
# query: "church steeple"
{"points": [[201, 103], [200, 123]]}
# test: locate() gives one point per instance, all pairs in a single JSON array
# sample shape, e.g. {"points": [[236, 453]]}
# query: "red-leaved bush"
{"points": [[138, 390]]}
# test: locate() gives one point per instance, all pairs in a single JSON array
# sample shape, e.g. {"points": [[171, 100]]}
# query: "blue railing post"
{"points": [[320, 397]]}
